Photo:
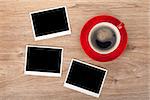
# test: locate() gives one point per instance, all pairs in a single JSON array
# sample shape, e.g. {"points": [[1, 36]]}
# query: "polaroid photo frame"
{"points": [[43, 61], [79, 78], [49, 23]]}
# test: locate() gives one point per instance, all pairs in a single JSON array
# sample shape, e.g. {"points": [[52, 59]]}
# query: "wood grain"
{"points": [[128, 77]]}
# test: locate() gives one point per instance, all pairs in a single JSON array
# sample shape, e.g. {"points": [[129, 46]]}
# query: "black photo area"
{"points": [[85, 76], [51, 21], [43, 59]]}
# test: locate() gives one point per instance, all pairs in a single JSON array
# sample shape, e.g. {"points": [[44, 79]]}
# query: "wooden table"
{"points": [[128, 75]]}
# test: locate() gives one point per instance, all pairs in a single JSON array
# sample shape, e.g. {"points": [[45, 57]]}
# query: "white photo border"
{"points": [[57, 34], [43, 73], [79, 89]]}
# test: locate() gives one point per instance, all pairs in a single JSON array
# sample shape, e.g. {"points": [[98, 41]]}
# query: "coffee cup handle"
{"points": [[120, 26]]}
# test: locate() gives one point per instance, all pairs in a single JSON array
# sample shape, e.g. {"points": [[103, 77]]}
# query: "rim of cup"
{"points": [[116, 32]]}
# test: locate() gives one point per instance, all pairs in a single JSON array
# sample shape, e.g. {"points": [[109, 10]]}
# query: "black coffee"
{"points": [[103, 38]]}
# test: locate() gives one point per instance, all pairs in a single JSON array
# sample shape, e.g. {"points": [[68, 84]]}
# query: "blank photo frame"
{"points": [[43, 61], [50, 23], [85, 78]]}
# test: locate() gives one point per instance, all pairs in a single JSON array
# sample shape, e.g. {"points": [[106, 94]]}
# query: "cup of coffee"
{"points": [[104, 38]]}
